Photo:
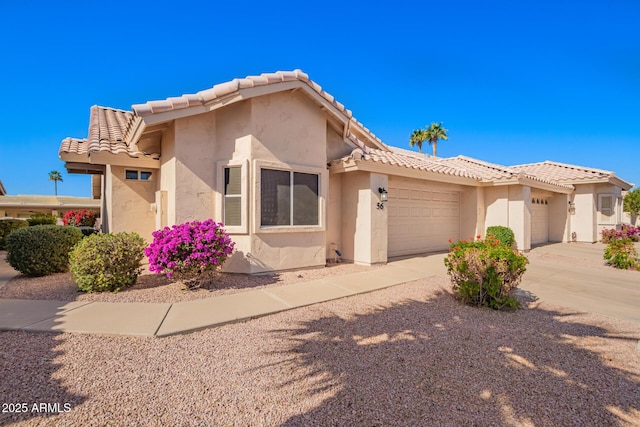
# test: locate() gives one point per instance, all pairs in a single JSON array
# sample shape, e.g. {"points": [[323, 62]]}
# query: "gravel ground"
{"points": [[404, 356], [156, 288]]}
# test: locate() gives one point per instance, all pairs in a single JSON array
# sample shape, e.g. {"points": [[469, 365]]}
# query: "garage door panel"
{"points": [[539, 222], [420, 219]]}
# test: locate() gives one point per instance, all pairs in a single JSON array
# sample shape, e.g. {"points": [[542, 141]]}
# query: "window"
{"points": [[288, 198], [606, 208], [136, 175], [232, 214]]}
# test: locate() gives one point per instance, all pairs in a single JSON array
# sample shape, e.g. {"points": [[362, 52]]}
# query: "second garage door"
{"points": [[539, 221], [421, 217]]}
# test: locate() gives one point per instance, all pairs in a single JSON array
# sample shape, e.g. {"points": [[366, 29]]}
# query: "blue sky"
{"points": [[513, 82]]}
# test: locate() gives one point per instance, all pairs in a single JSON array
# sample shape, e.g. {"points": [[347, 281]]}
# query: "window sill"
{"points": [[290, 229]]}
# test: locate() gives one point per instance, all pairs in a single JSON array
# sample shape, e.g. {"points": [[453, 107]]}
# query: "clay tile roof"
{"points": [[562, 172], [74, 145], [411, 160], [223, 90], [107, 129], [3, 191], [484, 170]]}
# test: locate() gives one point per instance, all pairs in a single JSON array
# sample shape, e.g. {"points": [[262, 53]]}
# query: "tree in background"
{"points": [[417, 138], [431, 134], [631, 202], [55, 176]]}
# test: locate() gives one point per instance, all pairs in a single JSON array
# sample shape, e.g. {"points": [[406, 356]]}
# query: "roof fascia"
{"points": [[387, 169], [251, 92], [620, 183], [529, 183], [545, 186], [84, 168], [104, 158]]}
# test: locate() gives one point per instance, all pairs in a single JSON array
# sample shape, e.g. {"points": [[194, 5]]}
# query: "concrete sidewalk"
{"points": [[560, 280], [138, 319]]}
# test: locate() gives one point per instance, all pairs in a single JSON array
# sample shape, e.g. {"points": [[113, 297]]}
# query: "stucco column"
{"points": [[520, 215], [559, 221], [364, 227]]}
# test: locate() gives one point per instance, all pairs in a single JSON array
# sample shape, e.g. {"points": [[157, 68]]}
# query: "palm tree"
{"points": [[434, 133], [431, 134], [55, 176], [417, 138]]}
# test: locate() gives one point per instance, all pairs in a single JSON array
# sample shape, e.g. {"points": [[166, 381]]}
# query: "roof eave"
{"points": [[351, 165], [345, 117]]}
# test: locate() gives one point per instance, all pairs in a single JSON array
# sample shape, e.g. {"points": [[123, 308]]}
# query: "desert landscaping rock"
{"points": [[407, 355]]}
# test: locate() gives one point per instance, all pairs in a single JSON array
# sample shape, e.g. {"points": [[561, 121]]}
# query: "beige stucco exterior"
{"points": [[23, 206], [298, 128]]}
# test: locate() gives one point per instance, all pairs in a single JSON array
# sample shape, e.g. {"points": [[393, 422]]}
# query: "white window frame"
{"points": [[323, 177], [614, 209], [243, 228]]}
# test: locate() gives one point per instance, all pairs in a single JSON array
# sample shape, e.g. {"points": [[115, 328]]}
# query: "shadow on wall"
{"points": [[434, 369], [40, 392], [241, 262]]}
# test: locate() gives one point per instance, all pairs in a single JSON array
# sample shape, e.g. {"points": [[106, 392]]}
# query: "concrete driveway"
{"points": [[572, 275]]}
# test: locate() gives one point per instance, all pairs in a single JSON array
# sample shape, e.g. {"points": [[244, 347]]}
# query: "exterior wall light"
{"points": [[572, 208], [383, 197]]}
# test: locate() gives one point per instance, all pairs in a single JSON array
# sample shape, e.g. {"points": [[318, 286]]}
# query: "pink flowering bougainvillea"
{"points": [[186, 251], [80, 218], [626, 232]]}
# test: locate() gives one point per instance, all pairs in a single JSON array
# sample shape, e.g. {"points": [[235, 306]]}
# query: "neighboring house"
{"points": [[295, 177], [25, 205]]}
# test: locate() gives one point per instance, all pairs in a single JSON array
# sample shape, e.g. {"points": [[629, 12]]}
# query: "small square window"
{"points": [[135, 175]]}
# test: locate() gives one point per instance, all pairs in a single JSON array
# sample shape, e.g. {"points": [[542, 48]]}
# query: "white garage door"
{"points": [[539, 220], [421, 217]]}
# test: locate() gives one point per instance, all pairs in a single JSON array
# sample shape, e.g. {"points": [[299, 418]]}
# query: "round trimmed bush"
{"points": [[7, 226], [42, 249], [107, 262]]}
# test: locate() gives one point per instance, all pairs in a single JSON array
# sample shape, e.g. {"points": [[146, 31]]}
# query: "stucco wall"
{"points": [[283, 130], [195, 152], [584, 220], [472, 212], [335, 216], [559, 221], [496, 206], [336, 147], [168, 176], [364, 227], [520, 215], [130, 202]]}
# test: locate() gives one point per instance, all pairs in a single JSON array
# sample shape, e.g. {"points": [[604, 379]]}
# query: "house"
{"points": [[25, 205], [296, 179]]}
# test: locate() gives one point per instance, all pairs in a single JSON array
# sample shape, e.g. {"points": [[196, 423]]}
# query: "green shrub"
{"points": [[7, 226], [504, 235], [485, 273], [107, 262], [621, 253], [41, 219], [42, 249]]}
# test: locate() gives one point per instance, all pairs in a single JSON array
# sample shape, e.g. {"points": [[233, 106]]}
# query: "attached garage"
{"points": [[422, 216], [539, 220]]}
